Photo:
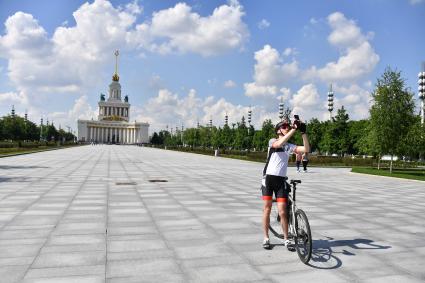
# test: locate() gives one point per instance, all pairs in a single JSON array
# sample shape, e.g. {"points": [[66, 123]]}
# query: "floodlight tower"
{"points": [[249, 116], [330, 102], [226, 119], [41, 128], [281, 109], [421, 91]]}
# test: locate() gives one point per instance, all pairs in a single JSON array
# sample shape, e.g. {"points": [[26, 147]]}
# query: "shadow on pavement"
{"points": [[14, 179], [323, 257], [4, 167]]}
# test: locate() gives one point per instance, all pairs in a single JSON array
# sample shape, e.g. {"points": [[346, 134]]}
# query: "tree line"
{"points": [[393, 128], [15, 128]]}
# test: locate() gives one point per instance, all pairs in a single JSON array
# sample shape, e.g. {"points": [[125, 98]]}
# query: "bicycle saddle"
{"points": [[295, 182]]}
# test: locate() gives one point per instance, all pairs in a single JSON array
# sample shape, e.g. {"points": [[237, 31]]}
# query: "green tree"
{"points": [[315, 132], [413, 144], [341, 133], [356, 130], [392, 112]]}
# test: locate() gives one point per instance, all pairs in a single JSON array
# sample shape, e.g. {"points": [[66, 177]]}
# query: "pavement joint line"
{"points": [[64, 212], [219, 237], [35, 200], [219, 213], [134, 188]]}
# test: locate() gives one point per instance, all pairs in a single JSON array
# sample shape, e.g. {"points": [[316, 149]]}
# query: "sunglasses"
{"points": [[285, 126]]}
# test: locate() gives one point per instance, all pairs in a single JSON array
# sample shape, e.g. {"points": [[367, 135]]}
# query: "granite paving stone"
{"points": [[91, 214]]}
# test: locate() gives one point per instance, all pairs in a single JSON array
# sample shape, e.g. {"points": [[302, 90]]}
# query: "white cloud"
{"points": [[12, 98], [306, 102], [269, 72], [229, 84], [358, 58], [290, 51], [356, 99], [64, 64], [185, 31], [263, 24], [171, 109], [414, 2]]}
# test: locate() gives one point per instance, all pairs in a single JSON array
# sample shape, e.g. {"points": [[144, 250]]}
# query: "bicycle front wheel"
{"points": [[303, 241], [275, 226]]}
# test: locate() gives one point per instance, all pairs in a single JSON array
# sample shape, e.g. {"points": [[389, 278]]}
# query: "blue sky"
{"points": [[182, 62]]}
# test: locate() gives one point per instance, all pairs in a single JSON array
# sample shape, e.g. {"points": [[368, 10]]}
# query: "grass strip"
{"points": [[413, 174]]}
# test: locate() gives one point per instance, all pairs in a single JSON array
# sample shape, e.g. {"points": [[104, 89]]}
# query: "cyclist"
{"points": [[275, 174]]}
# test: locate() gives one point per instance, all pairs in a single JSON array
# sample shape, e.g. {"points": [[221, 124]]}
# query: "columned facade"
{"points": [[113, 124]]}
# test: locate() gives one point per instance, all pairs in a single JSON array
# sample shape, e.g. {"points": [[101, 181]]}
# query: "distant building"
{"points": [[113, 124]]}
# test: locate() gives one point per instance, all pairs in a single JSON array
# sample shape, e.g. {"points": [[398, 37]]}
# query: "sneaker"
{"points": [[298, 171], [266, 244], [305, 171], [289, 245]]}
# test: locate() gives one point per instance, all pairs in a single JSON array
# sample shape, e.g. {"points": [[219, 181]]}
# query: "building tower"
{"points": [[421, 91], [281, 109], [41, 128], [330, 102]]}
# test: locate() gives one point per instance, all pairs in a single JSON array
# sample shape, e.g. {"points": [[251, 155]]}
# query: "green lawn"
{"points": [[5, 152], [412, 173]]}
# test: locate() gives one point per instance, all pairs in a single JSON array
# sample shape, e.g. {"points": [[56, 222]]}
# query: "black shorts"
{"points": [[278, 185]]}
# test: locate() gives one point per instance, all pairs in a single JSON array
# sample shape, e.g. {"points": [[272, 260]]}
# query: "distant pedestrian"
{"points": [[305, 161], [298, 158]]}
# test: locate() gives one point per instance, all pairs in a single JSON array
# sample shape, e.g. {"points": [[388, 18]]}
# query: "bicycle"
{"points": [[298, 226]]}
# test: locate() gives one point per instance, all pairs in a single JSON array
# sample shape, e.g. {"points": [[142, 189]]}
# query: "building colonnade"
{"points": [[116, 111], [114, 135]]}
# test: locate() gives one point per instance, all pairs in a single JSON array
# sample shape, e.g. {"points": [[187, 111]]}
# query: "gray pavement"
{"points": [[91, 214]]}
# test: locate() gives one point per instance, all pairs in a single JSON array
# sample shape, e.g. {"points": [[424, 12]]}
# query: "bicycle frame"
{"points": [[298, 226]]}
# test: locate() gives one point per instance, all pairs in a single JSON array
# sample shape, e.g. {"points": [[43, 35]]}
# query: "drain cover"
{"points": [[157, 181], [125, 183]]}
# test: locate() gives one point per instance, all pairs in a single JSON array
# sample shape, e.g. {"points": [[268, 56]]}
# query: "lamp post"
{"points": [[330, 102], [421, 91]]}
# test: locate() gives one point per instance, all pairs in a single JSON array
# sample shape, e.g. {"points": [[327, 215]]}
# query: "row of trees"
{"points": [[393, 128], [16, 128]]}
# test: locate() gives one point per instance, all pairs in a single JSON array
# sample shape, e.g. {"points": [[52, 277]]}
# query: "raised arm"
{"points": [[284, 139], [306, 145]]}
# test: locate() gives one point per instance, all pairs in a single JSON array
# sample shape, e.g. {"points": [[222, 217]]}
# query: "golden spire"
{"points": [[115, 77]]}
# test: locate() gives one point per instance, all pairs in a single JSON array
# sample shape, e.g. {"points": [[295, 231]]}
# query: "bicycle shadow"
{"points": [[323, 257]]}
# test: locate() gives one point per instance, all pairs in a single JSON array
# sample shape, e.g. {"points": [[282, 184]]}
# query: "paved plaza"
{"points": [[93, 214]]}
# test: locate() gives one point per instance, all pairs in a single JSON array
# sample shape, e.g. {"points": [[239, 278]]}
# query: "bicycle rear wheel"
{"points": [[303, 241], [275, 227]]}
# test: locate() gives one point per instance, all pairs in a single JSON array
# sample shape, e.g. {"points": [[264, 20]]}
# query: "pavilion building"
{"points": [[113, 124]]}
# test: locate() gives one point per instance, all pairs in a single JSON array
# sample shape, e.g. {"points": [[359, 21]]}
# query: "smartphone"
{"points": [[296, 117]]}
